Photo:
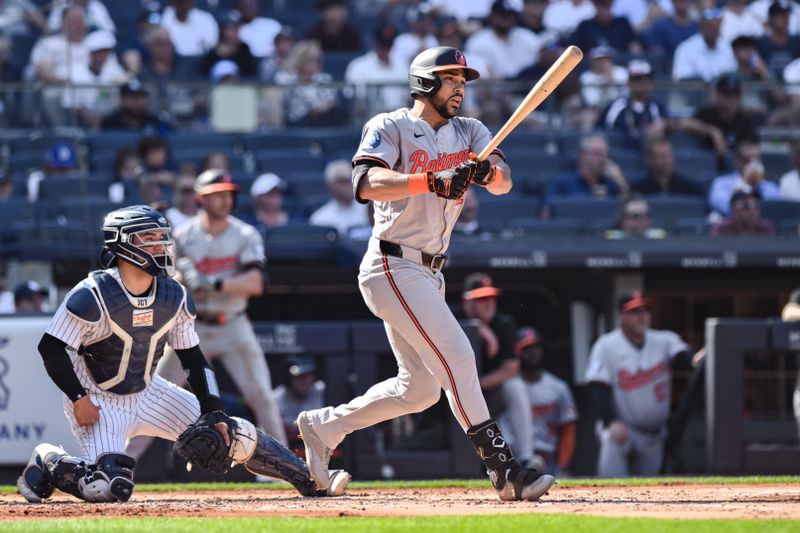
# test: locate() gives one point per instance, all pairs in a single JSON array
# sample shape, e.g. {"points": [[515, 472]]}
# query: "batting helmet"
{"points": [[214, 180], [122, 235], [422, 78]]}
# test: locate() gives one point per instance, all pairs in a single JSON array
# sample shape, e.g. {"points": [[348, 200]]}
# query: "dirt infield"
{"points": [[667, 501]]}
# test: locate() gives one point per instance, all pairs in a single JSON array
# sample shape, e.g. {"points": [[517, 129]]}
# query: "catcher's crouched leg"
{"points": [[263, 455]]}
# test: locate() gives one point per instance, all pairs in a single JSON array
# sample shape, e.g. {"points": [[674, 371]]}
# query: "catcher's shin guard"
{"points": [[36, 483], [510, 479]]}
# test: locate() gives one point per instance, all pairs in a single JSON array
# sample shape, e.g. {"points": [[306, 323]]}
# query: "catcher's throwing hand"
{"points": [[86, 412], [450, 184], [482, 171]]}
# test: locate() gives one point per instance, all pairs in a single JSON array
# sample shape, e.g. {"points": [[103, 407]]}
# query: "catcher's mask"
{"points": [[141, 236]]}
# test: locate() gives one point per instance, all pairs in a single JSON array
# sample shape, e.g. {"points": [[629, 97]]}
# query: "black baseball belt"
{"points": [[435, 262]]}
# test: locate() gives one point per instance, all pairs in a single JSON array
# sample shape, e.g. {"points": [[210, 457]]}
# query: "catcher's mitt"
{"points": [[202, 444]]}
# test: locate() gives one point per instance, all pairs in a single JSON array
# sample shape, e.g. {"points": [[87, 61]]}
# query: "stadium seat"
{"points": [[335, 141], [335, 63], [536, 227], [691, 227], [292, 139], [497, 212], [23, 162], [56, 188], [779, 210], [694, 163], [776, 165], [585, 209], [111, 141], [89, 210], [276, 160], [54, 239], [300, 242], [668, 209], [39, 142], [202, 141]]}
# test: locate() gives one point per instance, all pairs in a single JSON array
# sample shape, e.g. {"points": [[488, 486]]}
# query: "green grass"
{"points": [[469, 483], [539, 523]]}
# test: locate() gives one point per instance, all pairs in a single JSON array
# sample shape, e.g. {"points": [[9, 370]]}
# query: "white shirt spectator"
{"points": [[734, 25], [14, 17], [598, 90], [633, 10], [100, 99], [368, 69], [194, 37], [694, 59], [176, 217], [62, 56], [791, 76], [407, 45], [505, 57], [97, 16], [468, 9], [259, 34], [338, 216], [790, 186], [563, 16], [760, 8]]}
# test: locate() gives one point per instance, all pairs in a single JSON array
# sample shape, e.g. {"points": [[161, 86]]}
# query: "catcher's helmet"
{"points": [[422, 78], [214, 180], [123, 231]]}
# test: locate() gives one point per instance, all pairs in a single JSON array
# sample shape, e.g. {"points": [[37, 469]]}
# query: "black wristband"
{"points": [[218, 284]]}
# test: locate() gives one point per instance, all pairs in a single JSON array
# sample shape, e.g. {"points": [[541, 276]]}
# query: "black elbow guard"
{"points": [[59, 367]]}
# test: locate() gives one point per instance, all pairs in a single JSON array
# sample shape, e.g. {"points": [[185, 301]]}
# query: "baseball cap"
{"points": [[632, 301], [779, 7], [231, 18], [526, 336], [133, 86], [711, 13], [28, 290], [479, 285], [745, 192], [223, 69], [214, 180], [728, 84], [794, 297], [61, 155], [744, 40], [601, 51], [638, 68], [266, 183], [301, 365], [100, 40], [502, 7]]}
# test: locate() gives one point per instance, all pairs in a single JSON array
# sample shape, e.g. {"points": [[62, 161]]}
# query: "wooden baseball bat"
{"points": [[546, 85]]}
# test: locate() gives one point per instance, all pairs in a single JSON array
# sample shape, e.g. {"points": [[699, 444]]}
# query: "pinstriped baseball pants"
{"points": [[161, 410], [431, 348]]}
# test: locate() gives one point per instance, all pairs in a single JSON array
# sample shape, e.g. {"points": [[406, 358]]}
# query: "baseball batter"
{"points": [[630, 376], [551, 403], [221, 261], [415, 165], [101, 350]]}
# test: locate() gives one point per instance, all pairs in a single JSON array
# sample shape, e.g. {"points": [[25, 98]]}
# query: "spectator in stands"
{"points": [[791, 313], [225, 71], [552, 405], [602, 82], [21, 17], [749, 175], [596, 175], [97, 16], [160, 66], [749, 65], [184, 203], [302, 392], [6, 186], [778, 47], [277, 61], [704, 55], [133, 113], [567, 94], [333, 32], [6, 296], [605, 29], [532, 18], [667, 32], [634, 222], [745, 217], [134, 49], [498, 368], [127, 171], [309, 99], [30, 297], [156, 167], [760, 8], [737, 21], [231, 47], [502, 45], [341, 211], [790, 182], [421, 35], [661, 177], [563, 16], [193, 32], [637, 116], [629, 374], [60, 160], [723, 124], [10, 71], [268, 212], [369, 73], [55, 56], [467, 223], [216, 160], [103, 69], [258, 32]]}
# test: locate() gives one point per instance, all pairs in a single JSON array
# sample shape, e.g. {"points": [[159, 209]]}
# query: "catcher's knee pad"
{"points": [[244, 440], [110, 479], [271, 458]]}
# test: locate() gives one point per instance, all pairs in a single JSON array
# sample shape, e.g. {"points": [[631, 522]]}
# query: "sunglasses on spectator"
{"points": [[636, 215], [745, 204]]}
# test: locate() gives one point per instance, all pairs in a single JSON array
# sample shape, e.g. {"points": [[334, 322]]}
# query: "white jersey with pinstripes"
{"points": [[162, 409], [402, 142]]}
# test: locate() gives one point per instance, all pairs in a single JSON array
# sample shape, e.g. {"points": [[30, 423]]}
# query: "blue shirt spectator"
{"points": [[667, 33], [749, 176], [604, 29]]}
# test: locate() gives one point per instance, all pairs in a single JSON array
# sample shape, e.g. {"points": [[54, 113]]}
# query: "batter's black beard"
{"points": [[442, 110]]}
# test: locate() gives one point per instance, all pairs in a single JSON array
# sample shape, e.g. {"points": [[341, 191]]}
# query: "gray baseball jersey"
{"points": [[407, 144], [552, 406], [640, 378], [224, 255]]}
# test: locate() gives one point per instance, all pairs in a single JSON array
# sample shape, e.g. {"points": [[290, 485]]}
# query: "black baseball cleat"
{"points": [[35, 484], [522, 484]]}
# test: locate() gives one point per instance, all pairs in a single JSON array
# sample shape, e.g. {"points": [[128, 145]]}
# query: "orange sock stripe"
{"points": [[427, 339]]}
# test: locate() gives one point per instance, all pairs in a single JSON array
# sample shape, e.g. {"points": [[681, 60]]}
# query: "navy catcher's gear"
{"points": [[122, 234], [422, 77]]}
